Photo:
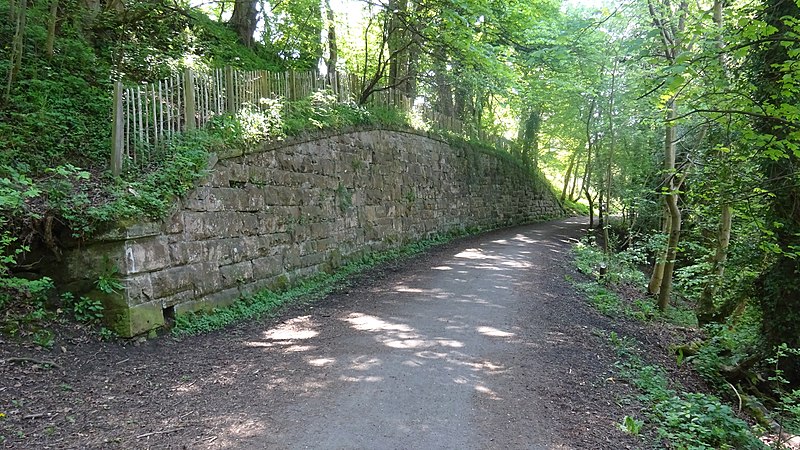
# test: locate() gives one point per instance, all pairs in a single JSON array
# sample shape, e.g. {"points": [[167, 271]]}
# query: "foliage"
{"points": [[687, 420], [631, 425], [621, 268], [84, 309]]}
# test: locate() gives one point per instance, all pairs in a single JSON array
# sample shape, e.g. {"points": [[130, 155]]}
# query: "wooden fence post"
{"points": [[188, 91], [117, 132]]}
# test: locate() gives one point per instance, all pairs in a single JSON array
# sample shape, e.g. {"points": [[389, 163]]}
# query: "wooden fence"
{"points": [[146, 116]]}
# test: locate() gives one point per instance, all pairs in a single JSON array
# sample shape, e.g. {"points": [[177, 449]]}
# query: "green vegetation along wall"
{"points": [[265, 218]]}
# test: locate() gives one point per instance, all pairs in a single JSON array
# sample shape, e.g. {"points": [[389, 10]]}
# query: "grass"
{"points": [[267, 303]]}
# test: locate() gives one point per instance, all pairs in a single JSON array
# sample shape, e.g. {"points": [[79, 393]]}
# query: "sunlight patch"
{"points": [[525, 239], [371, 378], [297, 328], [494, 332], [365, 322], [321, 362]]}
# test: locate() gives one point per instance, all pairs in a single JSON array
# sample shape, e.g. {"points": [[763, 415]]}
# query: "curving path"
{"points": [[482, 343]]}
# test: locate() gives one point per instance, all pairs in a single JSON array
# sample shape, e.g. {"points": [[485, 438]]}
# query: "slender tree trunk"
{"points": [[17, 45], [575, 176], [706, 310], [445, 99], [49, 46], [611, 149], [568, 175], [671, 200], [221, 11], [586, 184], [657, 275], [587, 174]]}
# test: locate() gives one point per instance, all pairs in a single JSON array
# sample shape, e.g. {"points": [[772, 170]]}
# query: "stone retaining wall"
{"points": [[263, 219]]}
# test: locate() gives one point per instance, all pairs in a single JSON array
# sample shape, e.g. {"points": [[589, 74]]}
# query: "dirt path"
{"points": [[482, 343]]}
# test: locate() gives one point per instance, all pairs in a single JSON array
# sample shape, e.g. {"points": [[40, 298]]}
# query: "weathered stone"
{"points": [[266, 217], [267, 266], [235, 274], [145, 255]]}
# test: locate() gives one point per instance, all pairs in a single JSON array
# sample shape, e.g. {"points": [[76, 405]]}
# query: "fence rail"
{"points": [[146, 116]]}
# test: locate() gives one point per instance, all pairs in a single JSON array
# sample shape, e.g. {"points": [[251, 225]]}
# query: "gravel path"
{"points": [[481, 343]]}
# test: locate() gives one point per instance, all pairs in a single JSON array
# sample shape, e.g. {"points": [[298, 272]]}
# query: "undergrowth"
{"points": [[686, 420], [268, 302]]}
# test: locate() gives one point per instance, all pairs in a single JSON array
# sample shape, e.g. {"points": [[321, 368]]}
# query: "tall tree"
{"points": [[20, 12], [670, 23], [244, 20]]}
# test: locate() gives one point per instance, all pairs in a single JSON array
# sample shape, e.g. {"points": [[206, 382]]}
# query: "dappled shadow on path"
{"points": [[416, 360], [394, 363]]}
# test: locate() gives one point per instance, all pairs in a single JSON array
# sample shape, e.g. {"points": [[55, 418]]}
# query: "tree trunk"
{"points": [[611, 148], [243, 20], [530, 137], [657, 275], [333, 49], [398, 37], [671, 200], [587, 173], [445, 94], [17, 45], [705, 304], [575, 177], [586, 183], [49, 46], [568, 176]]}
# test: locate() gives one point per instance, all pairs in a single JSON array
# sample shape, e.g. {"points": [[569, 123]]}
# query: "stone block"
{"points": [[135, 320], [223, 224], [267, 266], [205, 199], [235, 274], [194, 225], [165, 283], [180, 297], [207, 303], [138, 289], [124, 231], [174, 223], [145, 255]]}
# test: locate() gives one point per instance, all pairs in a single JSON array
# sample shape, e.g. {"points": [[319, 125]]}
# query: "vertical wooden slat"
{"points": [[118, 131], [146, 113], [168, 95], [161, 108], [179, 101], [154, 109], [128, 123], [189, 104], [229, 105], [139, 113], [201, 96]]}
